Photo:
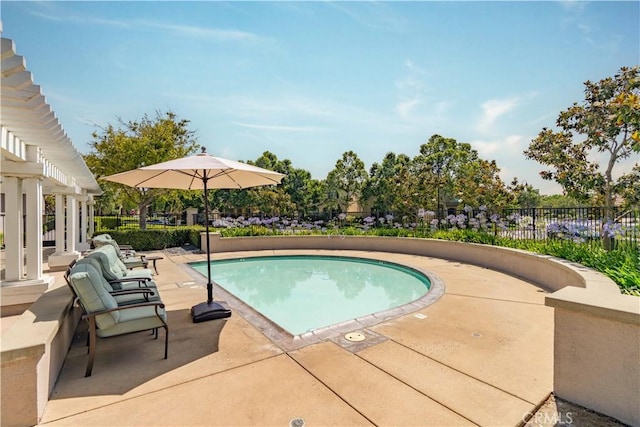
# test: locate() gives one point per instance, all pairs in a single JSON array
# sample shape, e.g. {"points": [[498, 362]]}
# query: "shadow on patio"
{"points": [[126, 362]]}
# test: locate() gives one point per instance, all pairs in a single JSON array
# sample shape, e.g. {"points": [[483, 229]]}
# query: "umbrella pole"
{"points": [[209, 310], [206, 228]]}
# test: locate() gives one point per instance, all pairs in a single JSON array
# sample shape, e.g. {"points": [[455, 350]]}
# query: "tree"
{"points": [[345, 181], [298, 184], [455, 172], [608, 122], [390, 186], [559, 201], [479, 184], [295, 192], [135, 144], [524, 195], [629, 188]]}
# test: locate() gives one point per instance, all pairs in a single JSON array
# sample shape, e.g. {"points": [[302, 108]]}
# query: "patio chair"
{"points": [[108, 319], [125, 291], [113, 268], [126, 253]]}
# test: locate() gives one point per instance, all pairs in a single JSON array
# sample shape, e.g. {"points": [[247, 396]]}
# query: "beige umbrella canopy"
{"points": [[200, 172], [197, 173]]}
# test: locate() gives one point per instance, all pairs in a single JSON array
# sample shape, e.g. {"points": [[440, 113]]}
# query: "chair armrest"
{"points": [[156, 304], [140, 280], [145, 291]]}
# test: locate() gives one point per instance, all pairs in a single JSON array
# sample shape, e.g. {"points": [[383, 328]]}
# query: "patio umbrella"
{"points": [[200, 172]]}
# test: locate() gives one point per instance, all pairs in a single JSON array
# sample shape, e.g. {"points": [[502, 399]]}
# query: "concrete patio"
{"points": [[481, 355]]}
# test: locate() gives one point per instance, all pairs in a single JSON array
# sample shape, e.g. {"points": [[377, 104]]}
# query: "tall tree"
{"points": [[607, 122], [391, 186], [454, 171], [345, 181], [629, 188], [524, 195], [134, 144], [479, 184]]}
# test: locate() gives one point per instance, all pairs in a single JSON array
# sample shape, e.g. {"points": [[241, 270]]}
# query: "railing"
{"points": [[584, 223], [49, 230], [128, 222]]}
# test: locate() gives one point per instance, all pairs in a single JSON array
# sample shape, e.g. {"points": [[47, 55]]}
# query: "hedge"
{"points": [[157, 239]]}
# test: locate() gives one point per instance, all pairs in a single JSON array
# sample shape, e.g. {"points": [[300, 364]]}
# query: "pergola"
{"points": [[38, 158]]}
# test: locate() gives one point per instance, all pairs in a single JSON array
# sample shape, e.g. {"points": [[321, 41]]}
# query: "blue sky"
{"points": [[311, 80]]}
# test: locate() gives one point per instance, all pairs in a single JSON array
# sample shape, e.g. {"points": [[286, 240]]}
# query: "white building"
{"points": [[37, 158]]}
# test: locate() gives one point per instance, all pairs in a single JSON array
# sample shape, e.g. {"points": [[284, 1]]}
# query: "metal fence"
{"points": [[580, 224], [583, 223], [128, 222]]}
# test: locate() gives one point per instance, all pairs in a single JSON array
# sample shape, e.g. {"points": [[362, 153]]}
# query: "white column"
{"points": [[13, 243], [83, 219], [59, 224], [64, 255], [72, 222], [92, 204], [33, 189]]}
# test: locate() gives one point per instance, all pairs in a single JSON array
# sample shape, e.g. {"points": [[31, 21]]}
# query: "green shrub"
{"points": [[621, 265], [469, 236], [249, 231], [106, 223], [157, 239]]}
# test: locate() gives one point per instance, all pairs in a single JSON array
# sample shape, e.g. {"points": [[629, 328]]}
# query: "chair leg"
{"points": [[166, 340], [92, 345]]}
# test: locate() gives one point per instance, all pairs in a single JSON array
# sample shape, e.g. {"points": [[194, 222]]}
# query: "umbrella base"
{"points": [[209, 311]]}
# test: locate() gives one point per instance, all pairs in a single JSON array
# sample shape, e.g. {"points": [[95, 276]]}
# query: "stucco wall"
{"points": [[546, 271], [32, 353]]}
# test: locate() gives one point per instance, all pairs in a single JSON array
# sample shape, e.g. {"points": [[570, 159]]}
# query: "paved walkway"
{"points": [[481, 355]]}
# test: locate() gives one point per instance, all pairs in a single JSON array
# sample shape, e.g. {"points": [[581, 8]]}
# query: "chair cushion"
{"points": [[137, 319], [81, 265], [110, 269], [105, 239], [94, 297], [113, 268]]}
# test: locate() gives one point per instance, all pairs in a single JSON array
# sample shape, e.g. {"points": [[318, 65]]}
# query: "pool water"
{"points": [[302, 293]]}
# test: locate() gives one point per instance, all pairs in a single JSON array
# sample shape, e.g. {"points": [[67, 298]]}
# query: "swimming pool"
{"points": [[302, 293]]}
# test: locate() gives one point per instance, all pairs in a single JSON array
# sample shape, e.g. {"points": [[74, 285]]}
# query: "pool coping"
{"points": [[335, 332]]}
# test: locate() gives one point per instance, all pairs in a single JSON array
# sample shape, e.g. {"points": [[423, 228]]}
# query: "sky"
{"points": [[310, 80]]}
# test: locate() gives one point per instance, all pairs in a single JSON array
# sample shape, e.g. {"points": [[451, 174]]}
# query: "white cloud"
{"points": [[411, 66], [573, 5], [214, 34], [513, 142], [492, 110], [506, 146], [486, 149], [405, 107], [372, 14], [61, 14], [410, 85], [411, 90], [280, 127]]}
